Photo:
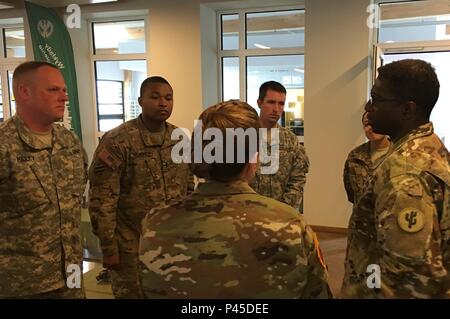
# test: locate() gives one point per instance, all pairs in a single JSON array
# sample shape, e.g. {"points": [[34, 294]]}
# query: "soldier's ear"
{"points": [[259, 102], [409, 110], [140, 101], [23, 90]]}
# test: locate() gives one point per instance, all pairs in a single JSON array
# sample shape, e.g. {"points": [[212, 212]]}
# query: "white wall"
{"points": [[182, 50], [336, 82], [85, 84]]}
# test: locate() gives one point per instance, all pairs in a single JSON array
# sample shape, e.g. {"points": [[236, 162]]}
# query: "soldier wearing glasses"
{"points": [[402, 221]]}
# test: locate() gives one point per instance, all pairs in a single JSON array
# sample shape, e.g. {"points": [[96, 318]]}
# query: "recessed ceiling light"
{"points": [[5, 6], [260, 46], [100, 1], [299, 70]]}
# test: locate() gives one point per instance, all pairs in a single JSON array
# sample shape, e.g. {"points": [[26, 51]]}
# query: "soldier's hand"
{"points": [[111, 262]]}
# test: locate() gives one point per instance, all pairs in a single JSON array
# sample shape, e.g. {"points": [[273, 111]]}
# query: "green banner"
{"points": [[51, 43]]}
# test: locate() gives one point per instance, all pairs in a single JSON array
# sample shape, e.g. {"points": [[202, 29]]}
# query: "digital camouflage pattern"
{"points": [[287, 184], [131, 173], [402, 223], [357, 170], [41, 191], [226, 241]]}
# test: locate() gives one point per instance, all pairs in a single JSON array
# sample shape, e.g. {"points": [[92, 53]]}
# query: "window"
{"points": [[120, 67], [420, 30], [14, 42], [12, 54], [262, 45], [414, 21]]}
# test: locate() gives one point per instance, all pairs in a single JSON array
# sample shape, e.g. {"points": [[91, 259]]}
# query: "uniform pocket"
{"points": [[30, 195]]}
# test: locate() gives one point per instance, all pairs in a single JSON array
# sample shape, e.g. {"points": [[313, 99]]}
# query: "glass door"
{"points": [[439, 57], [7, 100]]}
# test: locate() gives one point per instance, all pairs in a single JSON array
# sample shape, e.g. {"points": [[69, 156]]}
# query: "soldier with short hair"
{"points": [[359, 163], [287, 183], [403, 217], [131, 173], [225, 240], [42, 181]]}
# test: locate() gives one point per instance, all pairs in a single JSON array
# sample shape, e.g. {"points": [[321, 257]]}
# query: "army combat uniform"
{"points": [[402, 224], [41, 188], [226, 241], [132, 172], [357, 170], [287, 184]]}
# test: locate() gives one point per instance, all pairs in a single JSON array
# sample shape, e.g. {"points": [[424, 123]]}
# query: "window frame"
{"points": [[96, 57], [242, 53], [111, 116], [8, 64]]}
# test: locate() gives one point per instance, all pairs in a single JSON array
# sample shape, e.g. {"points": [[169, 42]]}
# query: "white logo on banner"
{"points": [[45, 28]]}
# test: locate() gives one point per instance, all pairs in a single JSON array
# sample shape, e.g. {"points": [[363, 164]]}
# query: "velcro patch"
{"points": [[107, 158], [411, 220], [319, 252]]}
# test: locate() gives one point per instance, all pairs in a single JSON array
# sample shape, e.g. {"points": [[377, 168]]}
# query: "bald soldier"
{"points": [[42, 180], [399, 234], [225, 240], [287, 183], [131, 173]]}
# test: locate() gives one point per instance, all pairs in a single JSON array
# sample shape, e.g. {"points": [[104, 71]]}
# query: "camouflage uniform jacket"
{"points": [[226, 241], [357, 170], [41, 192], [130, 174], [287, 184], [405, 222]]}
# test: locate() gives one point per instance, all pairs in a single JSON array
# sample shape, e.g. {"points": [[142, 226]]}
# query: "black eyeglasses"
{"points": [[377, 99]]}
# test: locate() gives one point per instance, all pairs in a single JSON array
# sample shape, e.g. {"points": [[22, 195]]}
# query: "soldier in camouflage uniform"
{"points": [[225, 240], [132, 172], [358, 166], [286, 185], [42, 181], [401, 224]]}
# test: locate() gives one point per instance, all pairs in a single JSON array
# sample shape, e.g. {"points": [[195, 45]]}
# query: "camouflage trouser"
{"points": [[124, 278], [61, 293]]}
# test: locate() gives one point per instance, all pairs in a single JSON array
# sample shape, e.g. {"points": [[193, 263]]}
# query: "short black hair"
{"points": [[270, 85], [412, 80], [150, 80]]}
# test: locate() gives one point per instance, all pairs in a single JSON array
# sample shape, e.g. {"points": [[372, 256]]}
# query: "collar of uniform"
{"points": [[421, 131], [221, 188], [280, 135], [362, 152], [26, 136], [146, 135]]}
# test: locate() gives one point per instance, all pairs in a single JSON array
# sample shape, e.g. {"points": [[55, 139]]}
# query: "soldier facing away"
{"points": [[404, 214], [225, 240], [42, 181], [286, 185], [132, 172]]}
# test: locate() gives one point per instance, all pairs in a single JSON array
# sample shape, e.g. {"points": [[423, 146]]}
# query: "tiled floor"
{"points": [[92, 288], [333, 247]]}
